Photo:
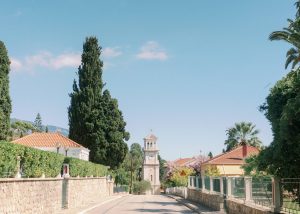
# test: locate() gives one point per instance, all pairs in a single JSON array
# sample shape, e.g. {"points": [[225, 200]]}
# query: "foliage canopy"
{"points": [[94, 118], [5, 102]]}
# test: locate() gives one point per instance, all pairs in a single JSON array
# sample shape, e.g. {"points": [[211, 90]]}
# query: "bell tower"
{"points": [[151, 163]]}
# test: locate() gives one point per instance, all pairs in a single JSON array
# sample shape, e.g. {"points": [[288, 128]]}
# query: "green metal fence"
{"points": [[290, 194], [216, 185], [262, 191], [238, 187], [207, 183]]}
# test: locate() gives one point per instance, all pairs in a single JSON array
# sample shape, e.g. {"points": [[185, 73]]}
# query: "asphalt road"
{"points": [[141, 204]]}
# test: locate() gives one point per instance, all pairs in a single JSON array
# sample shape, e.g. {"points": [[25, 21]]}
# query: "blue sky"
{"points": [[186, 69]]}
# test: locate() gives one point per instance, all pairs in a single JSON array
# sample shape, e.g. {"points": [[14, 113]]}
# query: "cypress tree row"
{"points": [[94, 118], [5, 102]]}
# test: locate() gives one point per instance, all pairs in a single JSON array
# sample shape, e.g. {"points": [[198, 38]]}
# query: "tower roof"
{"points": [[150, 137]]}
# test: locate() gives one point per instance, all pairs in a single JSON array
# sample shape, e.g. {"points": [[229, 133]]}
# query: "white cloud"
{"points": [[15, 64], [152, 51], [47, 60], [111, 52], [66, 60]]}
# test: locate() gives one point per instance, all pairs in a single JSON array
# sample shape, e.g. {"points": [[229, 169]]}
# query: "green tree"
{"points": [[212, 171], [140, 187], [251, 166], [133, 163], [122, 176], [281, 157], [94, 118], [210, 155], [20, 128], [5, 102], [162, 168], [291, 35], [180, 176], [242, 133], [46, 130], [38, 123]]}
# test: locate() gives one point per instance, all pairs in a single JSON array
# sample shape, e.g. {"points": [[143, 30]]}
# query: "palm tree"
{"points": [[242, 133], [291, 35]]}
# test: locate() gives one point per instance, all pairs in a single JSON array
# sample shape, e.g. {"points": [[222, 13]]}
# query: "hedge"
{"points": [[85, 168], [36, 162]]}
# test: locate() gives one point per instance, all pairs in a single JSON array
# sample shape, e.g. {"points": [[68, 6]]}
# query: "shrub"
{"points": [[180, 176], [85, 168], [34, 162], [8, 158], [140, 187]]}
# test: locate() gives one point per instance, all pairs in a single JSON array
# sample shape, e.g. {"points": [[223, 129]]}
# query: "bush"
{"points": [[8, 158], [85, 168], [140, 187], [34, 162]]}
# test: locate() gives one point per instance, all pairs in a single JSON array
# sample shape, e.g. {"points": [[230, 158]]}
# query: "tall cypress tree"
{"points": [[38, 123], [5, 102], [91, 111]]}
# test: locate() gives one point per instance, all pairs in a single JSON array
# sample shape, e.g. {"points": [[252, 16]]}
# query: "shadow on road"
{"points": [[162, 211], [156, 202]]}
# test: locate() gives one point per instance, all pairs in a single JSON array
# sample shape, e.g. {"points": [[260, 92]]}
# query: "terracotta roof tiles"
{"points": [[47, 140], [234, 156]]}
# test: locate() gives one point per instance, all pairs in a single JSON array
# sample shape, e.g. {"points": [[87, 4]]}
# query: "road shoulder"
{"points": [[92, 205]]}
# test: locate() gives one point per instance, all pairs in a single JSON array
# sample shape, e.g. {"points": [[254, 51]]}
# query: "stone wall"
{"points": [[234, 206], [45, 195], [213, 201], [83, 190], [178, 191], [30, 195]]}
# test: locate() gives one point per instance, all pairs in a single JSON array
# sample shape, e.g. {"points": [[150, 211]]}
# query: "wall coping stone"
{"points": [[47, 179], [85, 178], [28, 179]]}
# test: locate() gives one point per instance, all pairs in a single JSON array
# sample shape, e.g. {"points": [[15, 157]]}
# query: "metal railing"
{"points": [[290, 191], [238, 187], [121, 188], [262, 191], [252, 190]]}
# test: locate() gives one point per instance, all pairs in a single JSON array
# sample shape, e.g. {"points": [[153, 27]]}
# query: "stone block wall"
{"points": [[213, 201], [84, 190], [50, 195], [234, 206], [30, 195], [178, 191]]}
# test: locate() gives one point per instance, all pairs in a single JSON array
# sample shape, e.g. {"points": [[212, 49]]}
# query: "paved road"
{"points": [[141, 204]]}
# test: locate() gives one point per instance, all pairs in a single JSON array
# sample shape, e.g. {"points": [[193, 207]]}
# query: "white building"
{"points": [[55, 142], [151, 163]]}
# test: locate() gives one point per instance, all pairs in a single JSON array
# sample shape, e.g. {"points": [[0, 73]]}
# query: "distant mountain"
{"points": [[51, 128]]}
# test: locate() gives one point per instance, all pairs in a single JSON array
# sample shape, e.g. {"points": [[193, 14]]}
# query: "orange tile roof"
{"points": [[183, 161], [47, 140], [234, 156]]}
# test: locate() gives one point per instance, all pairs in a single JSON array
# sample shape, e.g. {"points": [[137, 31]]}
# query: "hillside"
{"points": [[51, 128]]}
